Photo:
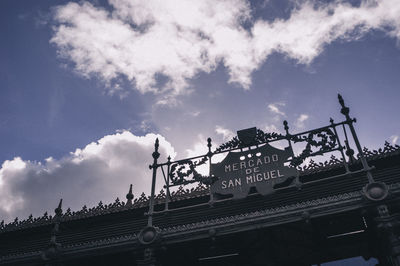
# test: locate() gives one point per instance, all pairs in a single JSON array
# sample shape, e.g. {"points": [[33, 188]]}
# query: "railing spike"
{"points": [[129, 196]]}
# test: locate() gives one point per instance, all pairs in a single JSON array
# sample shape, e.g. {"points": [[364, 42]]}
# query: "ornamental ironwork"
{"points": [[273, 174], [254, 164]]}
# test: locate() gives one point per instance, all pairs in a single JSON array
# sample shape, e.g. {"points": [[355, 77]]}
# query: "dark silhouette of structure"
{"points": [[288, 214]]}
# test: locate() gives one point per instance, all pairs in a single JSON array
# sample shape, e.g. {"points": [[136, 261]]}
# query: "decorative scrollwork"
{"points": [[233, 143], [161, 195], [142, 199], [260, 138], [180, 192], [263, 137], [327, 142], [312, 166], [387, 149], [179, 176], [318, 142]]}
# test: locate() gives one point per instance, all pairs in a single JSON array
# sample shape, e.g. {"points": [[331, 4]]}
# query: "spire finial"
{"points": [[286, 127], [209, 145], [156, 154], [129, 196], [345, 110], [341, 101], [58, 210], [156, 144], [53, 248]]}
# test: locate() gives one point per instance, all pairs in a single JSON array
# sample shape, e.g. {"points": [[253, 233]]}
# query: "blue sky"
{"points": [[87, 86]]}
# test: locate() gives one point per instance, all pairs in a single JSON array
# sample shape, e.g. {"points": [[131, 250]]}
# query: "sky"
{"points": [[87, 86]]}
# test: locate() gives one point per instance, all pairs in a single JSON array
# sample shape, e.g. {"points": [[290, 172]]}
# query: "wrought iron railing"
{"points": [[317, 141]]}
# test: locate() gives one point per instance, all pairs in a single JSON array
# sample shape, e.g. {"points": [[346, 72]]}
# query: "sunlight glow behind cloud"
{"points": [[226, 134]]}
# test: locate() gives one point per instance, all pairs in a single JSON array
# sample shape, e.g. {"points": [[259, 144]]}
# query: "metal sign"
{"points": [[262, 168]]}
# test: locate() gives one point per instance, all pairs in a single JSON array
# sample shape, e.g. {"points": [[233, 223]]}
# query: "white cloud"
{"points": [[199, 147], [271, 128], [144, 41], [145, 126], [226, 134], [300, 121], [102, 170], [195, 114], [273, 107], [394, 139], [311, 26]]}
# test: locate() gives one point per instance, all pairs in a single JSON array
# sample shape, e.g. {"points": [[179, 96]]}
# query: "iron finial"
{"points": [[156, 144], [209, 145], [341, 101], [129, 196], [156, 154], [53, 248], [349, 151], [58, 210], [345, 110], [285, 124]]}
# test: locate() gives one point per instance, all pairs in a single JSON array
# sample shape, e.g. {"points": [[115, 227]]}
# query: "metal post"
{"points": [[210, 154], [167, 196], [52, 253], [286, 127], [340, 146], [345, 111], [285, 124], [349, 150], [154, 166]]}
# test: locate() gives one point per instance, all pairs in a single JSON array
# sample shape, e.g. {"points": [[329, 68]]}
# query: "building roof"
{"points": [[116, 225]]}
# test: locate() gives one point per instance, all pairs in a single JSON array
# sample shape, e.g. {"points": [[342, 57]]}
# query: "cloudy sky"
{"points": [[87, 86]]}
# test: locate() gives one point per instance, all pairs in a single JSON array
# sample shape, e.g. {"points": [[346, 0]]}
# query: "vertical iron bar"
{"points": [[285, 124], [286, 127], [345, 111], [165, 181], [349, 150], [340, 146], [162, 170], [154, 166], [210, 154], [167, 196]]}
